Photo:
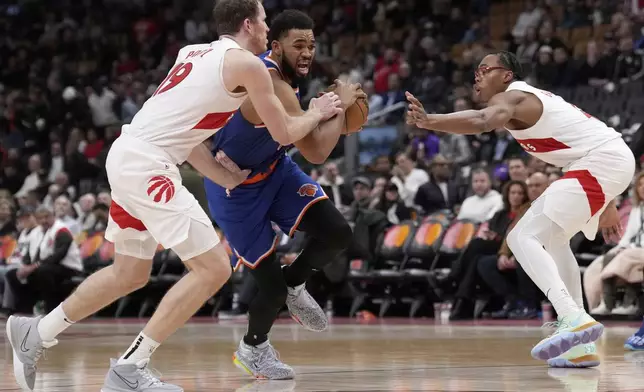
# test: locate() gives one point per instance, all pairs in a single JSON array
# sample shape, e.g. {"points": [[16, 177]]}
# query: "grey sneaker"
{"points": [[305, 310], [262, 362], [135, 378], [28, 347]]}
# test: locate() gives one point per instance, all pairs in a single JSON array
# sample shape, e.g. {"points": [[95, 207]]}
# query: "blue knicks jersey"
{"points": [[249, 145]]}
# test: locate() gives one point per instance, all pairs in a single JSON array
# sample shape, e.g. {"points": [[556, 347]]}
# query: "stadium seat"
{"points": [[7, 246]]}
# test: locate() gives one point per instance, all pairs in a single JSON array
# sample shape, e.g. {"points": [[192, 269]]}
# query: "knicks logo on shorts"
{"points": [[162, 188], [308, 190]]}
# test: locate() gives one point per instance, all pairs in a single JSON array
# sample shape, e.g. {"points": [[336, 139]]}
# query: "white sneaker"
{"points": [[601, 310], [573, 330], [625, 310], [305, 310]]}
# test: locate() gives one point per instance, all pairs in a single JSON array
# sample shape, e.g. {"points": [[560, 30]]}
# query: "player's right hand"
{"points": [[237, 175], [328, 104]]}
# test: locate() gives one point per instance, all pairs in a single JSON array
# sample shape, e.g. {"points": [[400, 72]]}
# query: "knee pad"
{"points": [[275, 296], [339, 236]]}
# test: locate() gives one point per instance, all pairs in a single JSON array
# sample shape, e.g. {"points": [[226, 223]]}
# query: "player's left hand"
{"points": [[610, 224], [416, 114], [348, 93]]}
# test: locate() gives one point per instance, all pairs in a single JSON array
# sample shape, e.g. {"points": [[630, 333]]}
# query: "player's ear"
{"points": [[276, 48], [248, 25], [508, 77]]}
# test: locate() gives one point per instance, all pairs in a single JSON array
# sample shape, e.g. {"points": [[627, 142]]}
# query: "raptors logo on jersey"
{"points": [[161, 187], [307, 190]]}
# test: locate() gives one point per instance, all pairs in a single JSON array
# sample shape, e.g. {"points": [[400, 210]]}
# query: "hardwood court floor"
{"points": [[390, 355]]}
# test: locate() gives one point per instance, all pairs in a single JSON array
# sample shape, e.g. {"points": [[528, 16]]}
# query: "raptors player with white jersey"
{"points": [[598, 166], [150, 206]]}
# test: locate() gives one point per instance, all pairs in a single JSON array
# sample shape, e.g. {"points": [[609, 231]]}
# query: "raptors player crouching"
{"points": [[205, 87], [599, 166]]}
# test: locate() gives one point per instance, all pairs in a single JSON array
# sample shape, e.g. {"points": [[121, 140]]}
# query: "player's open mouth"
{"points": [[303, 67]]}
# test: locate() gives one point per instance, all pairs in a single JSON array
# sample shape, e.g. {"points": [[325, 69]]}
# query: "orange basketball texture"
{"points": [[356, 115]]}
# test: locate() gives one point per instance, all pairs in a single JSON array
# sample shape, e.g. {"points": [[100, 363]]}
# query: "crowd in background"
{"points": [[72, 72]]}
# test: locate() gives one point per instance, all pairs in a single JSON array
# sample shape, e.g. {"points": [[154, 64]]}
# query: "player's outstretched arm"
{"points": [[243, 69], [226, 174], [499, 111]]}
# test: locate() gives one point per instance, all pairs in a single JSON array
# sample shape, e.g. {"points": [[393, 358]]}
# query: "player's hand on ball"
{"points": [[237, 175], [416, 114], [348, 93], [328, 104]]}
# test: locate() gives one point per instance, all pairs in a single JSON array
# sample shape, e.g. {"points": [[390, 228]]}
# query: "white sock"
{"points": [[527, 240], [53, 324], [141, 348]]}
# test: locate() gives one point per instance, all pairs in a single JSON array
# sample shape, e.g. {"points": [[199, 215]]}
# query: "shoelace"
{"points": [[151, 375], [42, 351]]}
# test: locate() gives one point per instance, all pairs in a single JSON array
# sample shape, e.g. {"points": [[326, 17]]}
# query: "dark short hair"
{"points": [[510, 61], [229, 15], [289, 20]]}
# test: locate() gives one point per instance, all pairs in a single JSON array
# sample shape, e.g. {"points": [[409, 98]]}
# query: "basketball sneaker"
{"points": [[262, 362], [571, 331], [135, 378], [636, 341], [305, 310], [582, 356], [27, 346]]}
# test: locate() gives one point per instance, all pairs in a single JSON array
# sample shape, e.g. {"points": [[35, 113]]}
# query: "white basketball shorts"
{"points": [[576, 201], [150, 206]]}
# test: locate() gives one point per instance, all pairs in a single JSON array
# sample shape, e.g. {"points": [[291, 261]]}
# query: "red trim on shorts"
{"points": [[589, 183], [214, 120], [124, 220], [542, 145]]}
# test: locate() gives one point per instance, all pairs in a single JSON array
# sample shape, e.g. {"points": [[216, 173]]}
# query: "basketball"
{"points": [[356, 116]]}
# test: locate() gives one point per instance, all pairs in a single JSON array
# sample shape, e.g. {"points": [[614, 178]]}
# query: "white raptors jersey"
{"points": [[564, 133], [190, 104]]}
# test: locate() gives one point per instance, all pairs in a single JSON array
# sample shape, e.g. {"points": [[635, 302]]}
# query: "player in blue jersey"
{"points": [[278, 191]]}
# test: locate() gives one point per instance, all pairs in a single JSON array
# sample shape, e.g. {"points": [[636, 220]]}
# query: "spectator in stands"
{"points": [[392, 205], [440, 192], [334, 186], [57, 161], [485, 201], [501, 145], [27, 243], [630, 64], [361, 192], [65, 213], [517, 169], [545, 71], [7, 223], [566, 69], [547, 36], [104, 197], [624, 262], [83, 209], [501, 272], [528, 18], [487, 243], [529, 44], [455, 147], [537, 184], [35, 177], [593, 71], [407, 177], [57, 259]]}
